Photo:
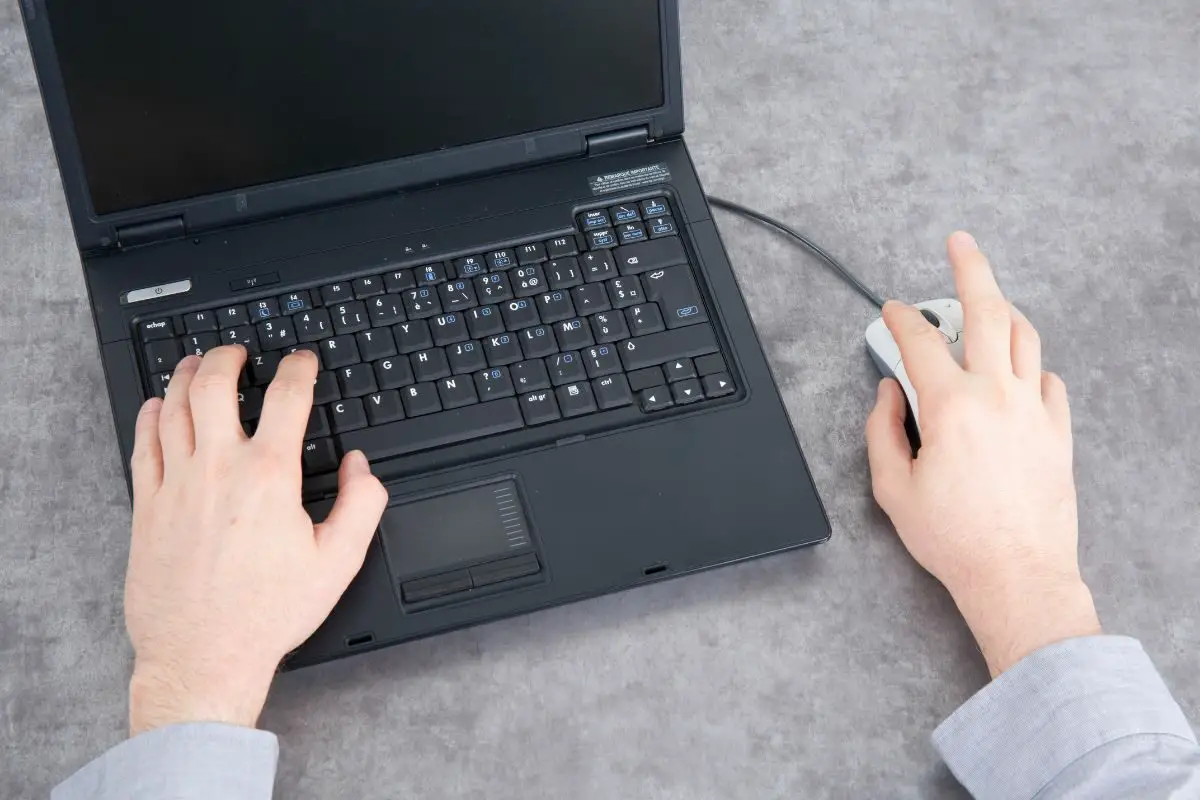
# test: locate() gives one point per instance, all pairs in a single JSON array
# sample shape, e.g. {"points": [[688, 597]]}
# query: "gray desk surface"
{"points": [[1065, 135]]}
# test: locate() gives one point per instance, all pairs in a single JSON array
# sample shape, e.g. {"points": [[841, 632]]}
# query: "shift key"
{"points": [[659, 348], [675, 290]]}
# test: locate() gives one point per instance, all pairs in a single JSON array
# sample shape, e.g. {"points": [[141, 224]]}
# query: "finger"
{"points": [[346, 533], [175, 430], [146, 465], [288, 404], [1058, 404], [926, 355], [888, 449], [214, 396], [1026, 348], [987, 320]]}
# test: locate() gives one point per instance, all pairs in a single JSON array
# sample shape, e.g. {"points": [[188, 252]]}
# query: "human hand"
{"points": [[227, 573], [988, 506]]}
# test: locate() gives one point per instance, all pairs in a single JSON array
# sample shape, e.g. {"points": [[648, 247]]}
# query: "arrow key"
{"points": [[688, 391], [656, 399], [679, 370], [718, 385]]}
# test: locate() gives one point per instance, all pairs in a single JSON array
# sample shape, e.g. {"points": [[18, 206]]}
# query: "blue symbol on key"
{"points": [[485, 312], [568, 358], [604, 351], [505, 339], [263, 312], [690, 311], [294, 305], [496, 374]]}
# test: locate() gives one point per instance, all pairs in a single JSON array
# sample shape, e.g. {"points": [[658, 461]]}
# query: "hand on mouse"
{"points": [[988, 506], [227, 572]]}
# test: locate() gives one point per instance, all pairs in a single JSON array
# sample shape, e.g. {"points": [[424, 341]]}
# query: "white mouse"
{"points": [[947, 315]]}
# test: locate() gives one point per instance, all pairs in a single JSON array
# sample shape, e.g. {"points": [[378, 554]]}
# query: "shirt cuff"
{"points": [[1057, 705], [194, 761]]}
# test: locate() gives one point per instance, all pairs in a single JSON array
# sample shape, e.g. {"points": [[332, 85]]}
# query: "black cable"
{"points": [[811, 246]]}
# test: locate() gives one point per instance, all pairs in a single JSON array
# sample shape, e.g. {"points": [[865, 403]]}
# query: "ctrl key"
{"points": [[319, 457]]}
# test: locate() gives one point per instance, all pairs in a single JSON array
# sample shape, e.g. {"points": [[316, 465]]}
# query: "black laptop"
{"points": [[483, 218]]}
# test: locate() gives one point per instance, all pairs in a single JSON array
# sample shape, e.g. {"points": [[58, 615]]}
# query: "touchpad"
{"points": [[455, 530]]}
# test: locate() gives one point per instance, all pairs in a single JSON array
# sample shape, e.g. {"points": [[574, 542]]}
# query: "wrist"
{"points": [[160, 696]]}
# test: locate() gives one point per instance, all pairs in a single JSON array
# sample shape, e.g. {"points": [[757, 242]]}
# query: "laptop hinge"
{"points": [[618, 140], [160, 230]]}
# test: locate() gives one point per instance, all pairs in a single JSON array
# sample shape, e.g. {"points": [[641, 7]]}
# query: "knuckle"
{"points": [[993, 310], [207, 385]]}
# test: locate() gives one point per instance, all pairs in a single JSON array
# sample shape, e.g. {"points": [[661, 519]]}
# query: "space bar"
{"points": [[436, 430]]}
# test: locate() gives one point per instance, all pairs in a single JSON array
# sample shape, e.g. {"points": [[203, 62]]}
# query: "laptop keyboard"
{"points": [[609, 318]]}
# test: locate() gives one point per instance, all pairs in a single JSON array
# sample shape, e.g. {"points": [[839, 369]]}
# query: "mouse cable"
{"points": [[808, 244]]}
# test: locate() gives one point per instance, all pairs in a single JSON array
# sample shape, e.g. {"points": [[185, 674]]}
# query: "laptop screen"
{"points": [[175, 100]]}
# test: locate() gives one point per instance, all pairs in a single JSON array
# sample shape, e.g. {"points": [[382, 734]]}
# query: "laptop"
{"points": [[483, 217]]}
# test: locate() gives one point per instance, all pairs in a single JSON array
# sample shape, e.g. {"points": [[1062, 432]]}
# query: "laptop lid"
{"points": [[174, 118]]}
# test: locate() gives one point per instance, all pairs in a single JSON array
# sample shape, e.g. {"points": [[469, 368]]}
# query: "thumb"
{"points": [[888, 449], [346, 533]]}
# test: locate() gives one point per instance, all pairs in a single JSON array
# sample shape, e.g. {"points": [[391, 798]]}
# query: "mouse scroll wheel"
{"points": [[931, 318]]}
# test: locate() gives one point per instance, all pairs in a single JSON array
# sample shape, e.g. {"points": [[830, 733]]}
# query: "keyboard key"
{"points": [[457, 391], [576, 399], [598, 266], [412, 336], [470, 266], [243, 335], [646, 378], [502, 349], [384, 407], [609, 327], [540, 407], [200, 322], [656, 207], [458, 295], [420, 400], [262, 367], [398, 281], [492, 384], [650, 256], [602, 360], [336, 293], [295, 302], [625, 292], [431, 274], [659, 348], [565, 368], [520, 314], [625, 213], [347, 415], [448, 329], [162, 355], [529, 376], [680, 369], [562, 247], [528, 280], [612, 392], [484, 321], [422, 303], [553, 306], [394, 373], [717, 385], [326, 389], [250, 403], [493, 288], [311, 347], [538, 341], [155, 329], [376, 344], [655, 399], [263, 309], [232, 316], [501, 259], [350, 317], [663, 227], [276, 334], [318, 424], [531, 254], [710, 365], [594, 220], [340, 351], [564, 273], [385, 309], [159, 384], [591, 298], [430, 365], [200, 343], [602, 239], [319, 457], [644, 319], [686, 392], [574, 334], [313, 326], [370, 286], [675, 290], [466, 357], [440, 430], [631, 233]]}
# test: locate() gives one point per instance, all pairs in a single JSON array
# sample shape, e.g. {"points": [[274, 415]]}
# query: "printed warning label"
{"points": [[630, 179]]}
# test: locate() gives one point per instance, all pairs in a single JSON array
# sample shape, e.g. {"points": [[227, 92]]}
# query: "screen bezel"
{"points": [[94, 232]]}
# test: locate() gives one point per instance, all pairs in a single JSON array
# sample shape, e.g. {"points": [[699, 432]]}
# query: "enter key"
{"points": [[675, 290]]}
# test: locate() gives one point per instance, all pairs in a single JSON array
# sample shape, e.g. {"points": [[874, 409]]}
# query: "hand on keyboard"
{"points": [[227, 573]]}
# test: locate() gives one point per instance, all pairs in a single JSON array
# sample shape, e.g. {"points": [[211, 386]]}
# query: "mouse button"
{"points": [[932, 318]]}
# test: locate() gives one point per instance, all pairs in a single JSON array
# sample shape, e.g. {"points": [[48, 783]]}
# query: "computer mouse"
{"points": [[945, 315]]}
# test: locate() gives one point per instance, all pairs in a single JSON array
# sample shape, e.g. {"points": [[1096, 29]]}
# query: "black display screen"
{"points": [[176, 100]]}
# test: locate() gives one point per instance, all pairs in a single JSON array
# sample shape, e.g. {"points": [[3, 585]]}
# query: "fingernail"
{"points": [[965, 240]]}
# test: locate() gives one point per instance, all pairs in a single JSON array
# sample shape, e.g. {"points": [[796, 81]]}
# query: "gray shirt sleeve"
{"points": [[198, 761], [1087, 717]]}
